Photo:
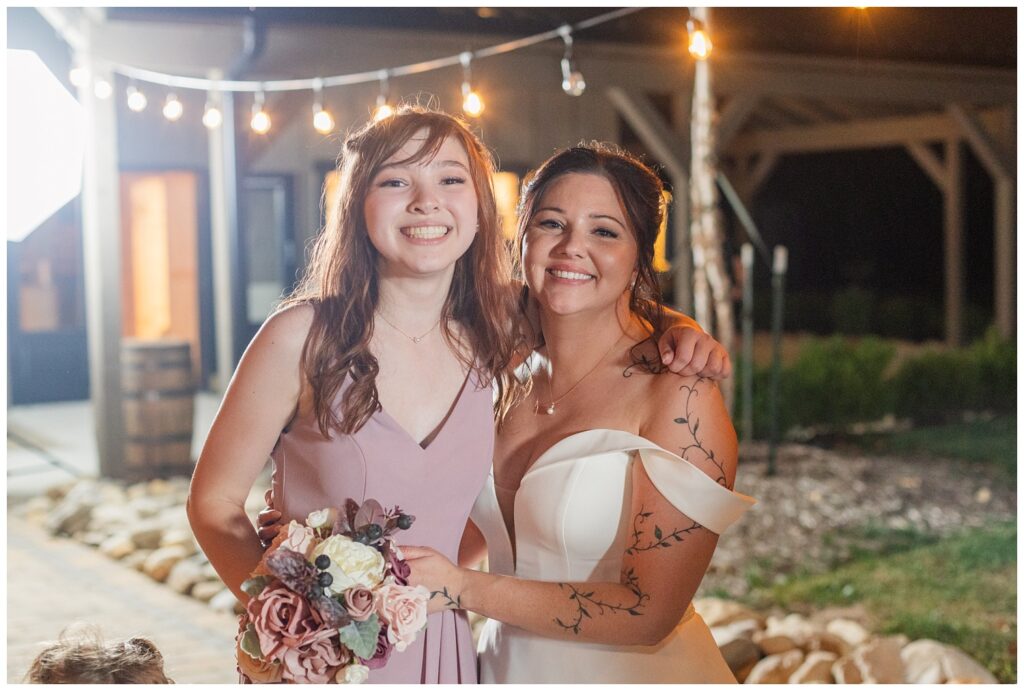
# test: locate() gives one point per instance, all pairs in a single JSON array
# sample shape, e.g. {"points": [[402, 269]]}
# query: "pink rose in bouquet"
{"points": [[315, 660], [404, 609], [359, 603], [282, 619], [294, 536]]}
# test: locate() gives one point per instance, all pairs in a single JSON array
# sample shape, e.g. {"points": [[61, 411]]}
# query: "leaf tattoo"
{"points": [[661, 539], [450, 602], [693, 425], [582, 599]]}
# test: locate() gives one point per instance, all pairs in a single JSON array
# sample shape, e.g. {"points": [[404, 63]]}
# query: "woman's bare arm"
{"points": [[258, 403]]}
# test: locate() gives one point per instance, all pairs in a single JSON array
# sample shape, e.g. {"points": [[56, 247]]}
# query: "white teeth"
{"points": [[425, 232], [571, 275]]}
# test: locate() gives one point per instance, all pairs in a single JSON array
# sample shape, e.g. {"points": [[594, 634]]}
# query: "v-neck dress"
{"points": [[572, 522], [437, 484]]}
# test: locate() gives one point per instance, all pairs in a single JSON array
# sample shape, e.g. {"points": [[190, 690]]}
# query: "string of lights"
{"points": [[573, 82]]}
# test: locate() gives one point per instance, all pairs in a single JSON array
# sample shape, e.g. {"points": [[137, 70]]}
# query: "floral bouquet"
{"points": [[330, 599]]}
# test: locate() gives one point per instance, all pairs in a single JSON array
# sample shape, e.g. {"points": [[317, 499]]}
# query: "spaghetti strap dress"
{"points": [[437, 484]]}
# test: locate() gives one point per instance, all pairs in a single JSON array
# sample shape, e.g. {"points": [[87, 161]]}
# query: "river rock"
{"points": [[930, 662], [137, 559], [204, 591], [147, 535], [845, 671], [118, 546], [225, 601], [879, 660], [159, 564], [740, 653], [823, 640], [775, 669], [849, 631], [815, 669], [773, 644], [184, 575], [718, 612]]}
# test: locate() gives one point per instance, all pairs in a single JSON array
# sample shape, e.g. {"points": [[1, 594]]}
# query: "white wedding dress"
{"points": [[572, 520]]}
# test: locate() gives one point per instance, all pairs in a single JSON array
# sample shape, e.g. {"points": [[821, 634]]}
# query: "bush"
{"points": [[838, 381]]}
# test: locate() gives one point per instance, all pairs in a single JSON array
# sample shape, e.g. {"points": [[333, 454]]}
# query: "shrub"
{"points": [[934, 385]]}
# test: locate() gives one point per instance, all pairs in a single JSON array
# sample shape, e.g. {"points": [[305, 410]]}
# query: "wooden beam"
{"points": [[953, 218], [734, 115], [762, 169], [804, 110], [654, 132], [864, 134], [932, 165], [855, 80], [995, 159]]}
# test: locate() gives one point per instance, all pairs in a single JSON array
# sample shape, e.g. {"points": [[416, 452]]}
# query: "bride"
{"points": [[595, 557]]}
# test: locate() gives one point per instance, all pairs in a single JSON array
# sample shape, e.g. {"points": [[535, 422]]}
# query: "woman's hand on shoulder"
{"points": [[686, 349]]}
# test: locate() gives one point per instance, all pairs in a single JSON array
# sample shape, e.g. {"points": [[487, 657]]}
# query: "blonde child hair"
{"points": [[81, 657]]}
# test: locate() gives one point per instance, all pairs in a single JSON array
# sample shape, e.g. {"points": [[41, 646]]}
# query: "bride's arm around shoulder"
{"points": [[259, 401]]}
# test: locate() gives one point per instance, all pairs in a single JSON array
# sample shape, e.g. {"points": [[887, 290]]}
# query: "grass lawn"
{"points": [[960, 590], [984, 441]]}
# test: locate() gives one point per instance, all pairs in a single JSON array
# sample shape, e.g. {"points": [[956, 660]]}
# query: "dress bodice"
{"points": [[572, 521]]}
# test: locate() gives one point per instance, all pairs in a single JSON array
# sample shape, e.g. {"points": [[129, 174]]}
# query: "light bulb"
{"points": [[212, 117], [323, 122], [700, 42], [79, 76], [472, 104], [173, 108], [260, 122], [382, 112], [102, 89], [574, 84], [136, 100]]}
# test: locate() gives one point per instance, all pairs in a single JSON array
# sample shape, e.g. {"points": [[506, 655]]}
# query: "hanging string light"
{"points": [[102, 89], [383, 109], [212, 117], [700, 43], [260, 121], [572, 79], [322, 120], [472, 104], [172, 107], [137, 100]]}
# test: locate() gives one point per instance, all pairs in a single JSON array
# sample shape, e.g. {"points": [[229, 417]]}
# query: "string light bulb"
{"points": [[102, 89], [322, 120], [699, 43], [172, 107], [572, 79], [212, 117], [472, 104], [383, 110], [137, 100], [78, 76], [260, 121]]}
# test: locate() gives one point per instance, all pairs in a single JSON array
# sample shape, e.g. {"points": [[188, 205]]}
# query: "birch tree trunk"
{"points": [[711, 289]]}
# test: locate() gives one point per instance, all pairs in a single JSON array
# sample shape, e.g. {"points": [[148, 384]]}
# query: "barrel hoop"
{"points": [[156, 394], [146, 365], [150, 440]]}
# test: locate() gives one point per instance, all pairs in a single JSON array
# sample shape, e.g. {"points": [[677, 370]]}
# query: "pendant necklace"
{"points": [[414, 339], [549, 409]]}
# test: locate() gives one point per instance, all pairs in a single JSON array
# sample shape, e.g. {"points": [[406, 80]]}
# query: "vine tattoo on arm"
{"points": [[661, 539], [583, 599], [693, 425], [450, 602]]}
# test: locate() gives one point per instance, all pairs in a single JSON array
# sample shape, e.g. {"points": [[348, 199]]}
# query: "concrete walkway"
{"points": [[53, 582]]}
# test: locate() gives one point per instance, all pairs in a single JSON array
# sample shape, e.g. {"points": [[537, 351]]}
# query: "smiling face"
{"points": [[579, 254], [421, 216]]}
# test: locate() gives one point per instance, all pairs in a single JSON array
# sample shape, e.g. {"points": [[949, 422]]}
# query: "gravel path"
{"points": [[804, 512]]}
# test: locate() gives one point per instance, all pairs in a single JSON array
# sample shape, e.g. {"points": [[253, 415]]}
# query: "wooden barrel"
{"points": [[159, 400]]}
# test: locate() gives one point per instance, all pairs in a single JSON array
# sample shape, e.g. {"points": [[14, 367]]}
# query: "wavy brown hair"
{"points": [[342, 280], [641, 195]]}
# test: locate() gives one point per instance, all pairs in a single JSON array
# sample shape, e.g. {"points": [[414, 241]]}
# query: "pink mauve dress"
{"points": [[437, 485]]}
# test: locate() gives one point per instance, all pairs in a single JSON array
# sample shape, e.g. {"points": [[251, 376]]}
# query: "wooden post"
{"points": [[747, 261], [101, 246], [954, 244], [711, 286], [1005, 254]]}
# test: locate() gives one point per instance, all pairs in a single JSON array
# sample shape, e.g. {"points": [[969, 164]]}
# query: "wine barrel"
{"points": [[159, 400]]}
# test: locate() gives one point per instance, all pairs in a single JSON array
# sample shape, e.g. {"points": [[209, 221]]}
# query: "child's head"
{"points": [[81, 657]]}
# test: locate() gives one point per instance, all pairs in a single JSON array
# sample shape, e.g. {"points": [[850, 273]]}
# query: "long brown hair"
{"points": [[342, 278], [82, 657], [641, 194]]}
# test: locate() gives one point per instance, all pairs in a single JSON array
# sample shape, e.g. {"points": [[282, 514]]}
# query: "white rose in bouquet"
{"points": [[352, 563]]}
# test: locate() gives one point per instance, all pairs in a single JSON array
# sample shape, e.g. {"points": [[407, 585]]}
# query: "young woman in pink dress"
{"points": [[381, 376]]}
